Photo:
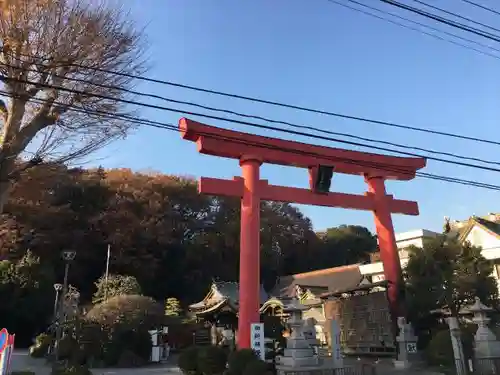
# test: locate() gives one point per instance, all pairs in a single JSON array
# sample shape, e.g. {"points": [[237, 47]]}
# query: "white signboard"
{"points": [[257, 340]]}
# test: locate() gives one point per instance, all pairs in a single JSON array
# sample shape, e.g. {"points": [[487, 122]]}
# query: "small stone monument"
{"points": [[298, 353], [407, 344], [487, 345]]}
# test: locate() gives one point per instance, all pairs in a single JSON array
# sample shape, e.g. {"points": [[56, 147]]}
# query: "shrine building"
{"points": [[340, 293]]}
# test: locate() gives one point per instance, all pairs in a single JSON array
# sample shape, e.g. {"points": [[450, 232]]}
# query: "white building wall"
{"points": [[491, 247], [477, 237], [480, 237]]}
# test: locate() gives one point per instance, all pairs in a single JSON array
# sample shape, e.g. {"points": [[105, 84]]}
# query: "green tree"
{"points": [[447, 274], [354, 243], [26, 289], [115, 285], [342, 245], [172, 307]]}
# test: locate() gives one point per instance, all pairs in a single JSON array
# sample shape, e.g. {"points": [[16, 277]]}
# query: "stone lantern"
{"points": [[298, 353]]}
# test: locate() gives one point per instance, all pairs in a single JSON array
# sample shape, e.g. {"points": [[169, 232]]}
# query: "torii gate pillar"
{"points": [[252, 150], [249, 283], [387, 244]]}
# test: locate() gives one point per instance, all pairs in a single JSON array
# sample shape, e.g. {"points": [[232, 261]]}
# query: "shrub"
{"points": [[211, 360], [23, 372], [129, 359], [123, 323], [439, 352], [71, 370], [91, 339], [257, 367], [138, 342], [239, 359], [129, 312], [68, 347], [188, 361], [41, 346]]}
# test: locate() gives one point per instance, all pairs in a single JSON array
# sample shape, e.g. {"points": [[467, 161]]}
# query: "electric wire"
{"points": [[481, 7], [419, 30], [455, 15], [255, 125], [293, 125], [284, 105], [172, 127], [443, 20]]}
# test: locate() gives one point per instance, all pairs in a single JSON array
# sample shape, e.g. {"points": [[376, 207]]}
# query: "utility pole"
{"points": [[107, 273]]}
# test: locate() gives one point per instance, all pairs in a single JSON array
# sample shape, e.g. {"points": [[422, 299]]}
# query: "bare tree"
{"points": [[49, 53]]}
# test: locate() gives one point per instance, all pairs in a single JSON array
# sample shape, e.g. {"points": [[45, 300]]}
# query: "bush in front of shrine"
{"points": [[211, 360], [188, 361], [257, 367], [239, 360], [208, 360], [71, 370], [127, 348]]}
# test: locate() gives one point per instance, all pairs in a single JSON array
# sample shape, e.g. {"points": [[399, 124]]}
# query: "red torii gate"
{"points": [[253, 150]]}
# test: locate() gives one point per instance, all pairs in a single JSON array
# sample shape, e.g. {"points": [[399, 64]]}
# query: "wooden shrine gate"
{"points": [[253, 150]]}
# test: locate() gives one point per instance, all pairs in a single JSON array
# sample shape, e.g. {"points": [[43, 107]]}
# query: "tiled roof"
{"points": [[221, 291], [231, 290], [333, 279], [490, 226]]}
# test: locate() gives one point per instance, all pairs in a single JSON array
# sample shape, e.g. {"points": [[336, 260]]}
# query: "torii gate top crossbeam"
{"points": [[215, 141]]}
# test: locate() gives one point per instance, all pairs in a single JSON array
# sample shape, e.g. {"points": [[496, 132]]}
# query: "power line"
{"points": [[255, 125], [297, 126], [455, 15], [285, 105], [481, 6], [445, 21], [172, 127], [419, 30]]}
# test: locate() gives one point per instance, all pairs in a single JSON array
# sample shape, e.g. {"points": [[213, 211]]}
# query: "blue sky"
{"points": [[317, 54]]}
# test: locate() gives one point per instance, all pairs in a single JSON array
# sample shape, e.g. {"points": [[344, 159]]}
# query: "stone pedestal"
{"points": [[298, 355], [408, 355]]}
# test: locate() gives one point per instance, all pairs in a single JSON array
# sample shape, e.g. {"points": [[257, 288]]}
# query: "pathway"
{"points": [[22, 361]]}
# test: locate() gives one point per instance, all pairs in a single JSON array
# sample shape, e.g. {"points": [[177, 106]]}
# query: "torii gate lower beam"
{"points": [[252, 150]]}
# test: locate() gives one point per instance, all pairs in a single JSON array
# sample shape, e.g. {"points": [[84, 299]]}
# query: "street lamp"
{"points": [[68, 256], [57, 288]]}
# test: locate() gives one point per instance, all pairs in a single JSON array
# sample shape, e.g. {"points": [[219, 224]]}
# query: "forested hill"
{"points": [[172, 239]]}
